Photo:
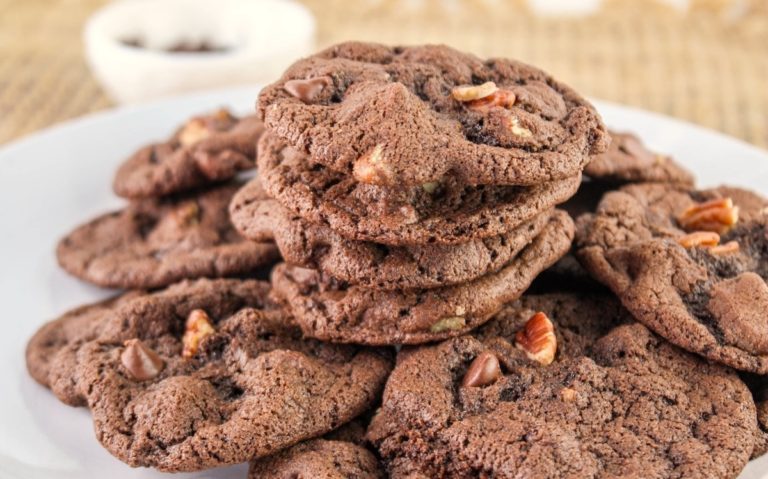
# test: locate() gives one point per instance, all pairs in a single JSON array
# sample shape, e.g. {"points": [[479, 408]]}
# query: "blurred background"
{"points": [[705, 61]]}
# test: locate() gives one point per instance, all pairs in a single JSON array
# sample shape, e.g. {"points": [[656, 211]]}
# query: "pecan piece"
{"points": [[430, 187], [197, 328], [468, 93], [726, 248], [187, 214], [568, 394], [451, 323], [500, 98], [199, 128], [194, 131], [513, 123], [537, 339], [699, 239], [369, 167]]}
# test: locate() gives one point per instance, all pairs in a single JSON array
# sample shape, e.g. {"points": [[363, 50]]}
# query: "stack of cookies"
{"points": [[412, 195], [411, 191]]}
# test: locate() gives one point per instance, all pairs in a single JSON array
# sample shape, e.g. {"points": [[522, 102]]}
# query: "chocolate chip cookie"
{"points": [[446, 213], [333, 311], [208, 373], [156, 242], [416, 115], [206, 149], [629, 161], [621, 403], [691, 265], [369, 264]]}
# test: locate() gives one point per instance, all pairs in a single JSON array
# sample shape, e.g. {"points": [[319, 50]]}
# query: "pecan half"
{"points": [[537, 339], [718, 215]]}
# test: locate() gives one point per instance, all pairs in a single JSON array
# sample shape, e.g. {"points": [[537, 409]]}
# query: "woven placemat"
{"points": [[708, 64]]}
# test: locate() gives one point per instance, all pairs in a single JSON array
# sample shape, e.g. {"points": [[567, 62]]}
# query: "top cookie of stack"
{"points": [[411, 190]]}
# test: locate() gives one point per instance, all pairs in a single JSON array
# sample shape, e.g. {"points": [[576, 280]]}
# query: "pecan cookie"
{"points": [[629, 161], [207, 374], [583, 394], [415, 115], [156, 242], [333, 311], [206, 149], [446, 213], [369, 264], [691, 265]]}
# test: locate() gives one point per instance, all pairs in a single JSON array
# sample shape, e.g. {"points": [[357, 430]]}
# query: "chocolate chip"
{"points": [[307, 90], [140, 361], [484, 370]]}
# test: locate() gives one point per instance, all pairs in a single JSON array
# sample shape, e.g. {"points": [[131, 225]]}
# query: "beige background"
{"points": [[708, 65]]}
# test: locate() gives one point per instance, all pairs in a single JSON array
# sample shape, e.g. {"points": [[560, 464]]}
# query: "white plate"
{"points": [[54, 180]]}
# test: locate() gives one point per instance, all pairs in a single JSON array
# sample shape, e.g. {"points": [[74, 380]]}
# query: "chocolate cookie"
{"points": [[691, 265], [156, 242], [208, 373], [414, 115], [447, 213], [619, 404], [332, 311], [369, 264], [319, 459], [206, 149], [629, 161]]}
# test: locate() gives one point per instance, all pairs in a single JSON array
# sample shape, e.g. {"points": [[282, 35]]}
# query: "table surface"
{"points": [[708, 65]]}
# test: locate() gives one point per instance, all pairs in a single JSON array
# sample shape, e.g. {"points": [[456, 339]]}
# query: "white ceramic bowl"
{"points": [[254, 40]]}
